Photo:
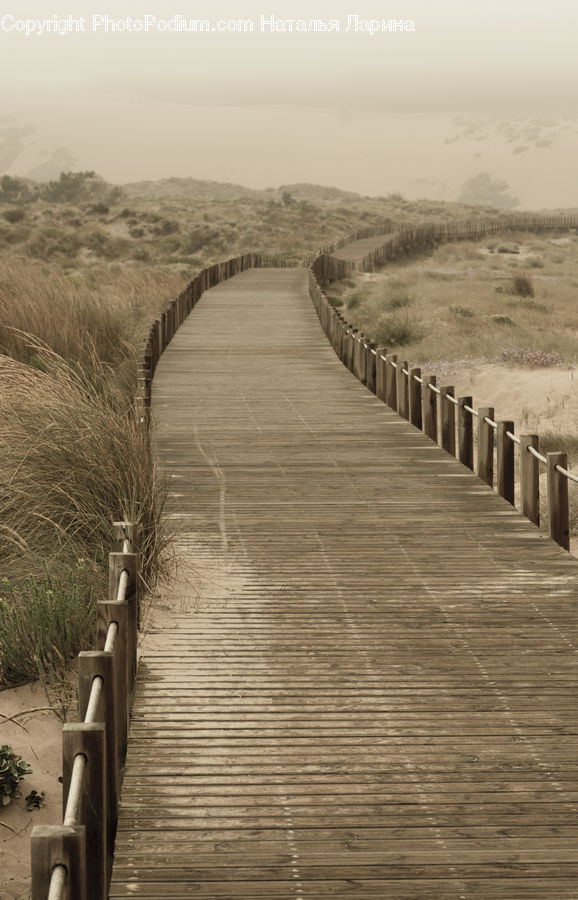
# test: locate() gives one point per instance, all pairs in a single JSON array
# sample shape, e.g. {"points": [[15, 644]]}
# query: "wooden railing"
{"points": [[73, 861], [408, 238], [449, 420]]}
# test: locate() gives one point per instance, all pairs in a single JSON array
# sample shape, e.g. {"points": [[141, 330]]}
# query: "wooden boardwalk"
{"points": [[379, 700], [356, 250]]}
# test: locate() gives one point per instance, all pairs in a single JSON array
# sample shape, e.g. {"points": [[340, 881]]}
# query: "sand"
{"points": [[36, 736], [538, 400]]}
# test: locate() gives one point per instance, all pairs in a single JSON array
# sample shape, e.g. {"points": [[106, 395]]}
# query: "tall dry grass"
{"points": [[90, 315], [73, 458]]}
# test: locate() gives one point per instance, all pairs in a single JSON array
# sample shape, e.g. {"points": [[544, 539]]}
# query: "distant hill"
{"points": [[79, 220]]}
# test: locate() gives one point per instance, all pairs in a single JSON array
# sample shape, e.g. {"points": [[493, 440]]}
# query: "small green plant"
{"points": [[502, 319], [528, 303], [13, 215], [535, 262], [12, 770]]}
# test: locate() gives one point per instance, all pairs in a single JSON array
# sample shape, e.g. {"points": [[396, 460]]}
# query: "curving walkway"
{"points": [[376, 695], [355, 251]]}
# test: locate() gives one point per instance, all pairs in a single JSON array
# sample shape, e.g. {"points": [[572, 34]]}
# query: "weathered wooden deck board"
{"points": [[375, 695]]}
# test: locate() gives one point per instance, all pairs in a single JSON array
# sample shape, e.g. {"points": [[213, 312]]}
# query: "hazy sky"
{"points": [[369, 112]]}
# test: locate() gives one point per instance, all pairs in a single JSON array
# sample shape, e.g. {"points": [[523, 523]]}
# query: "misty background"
{"points": [[479, 103]]}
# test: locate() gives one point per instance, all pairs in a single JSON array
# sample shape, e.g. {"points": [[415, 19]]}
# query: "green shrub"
{"points": [[465, 311], [355, 300], [51, 241], [13, 770], [501, 319], [395, 329], [399, 301], [14, 215]]}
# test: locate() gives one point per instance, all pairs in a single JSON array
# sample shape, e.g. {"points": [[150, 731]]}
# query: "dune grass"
{"points": [[73, 458]]}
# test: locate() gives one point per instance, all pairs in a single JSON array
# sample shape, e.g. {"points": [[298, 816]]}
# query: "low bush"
{"points": [[14, 215], [13, 770], [465, 312], [522, 285], [395, 330], [501, 319]]}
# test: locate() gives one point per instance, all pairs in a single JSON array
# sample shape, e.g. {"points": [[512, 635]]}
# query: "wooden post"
{"points": [[58, 845], [414, 397], [391, 382], [89, 739], [465, 432], [90, 664], [529, 478], [117, 563], [402, 390], [430, 408], [371, 367], [559, 526], [352, 346], [362, 359], [125, 531], [486, 445], [448, 419], [506, 461], [380, 377]]}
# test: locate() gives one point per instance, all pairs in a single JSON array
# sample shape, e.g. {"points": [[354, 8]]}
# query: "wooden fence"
{"points": [[449, 420], [74, 860], [408, 238]]}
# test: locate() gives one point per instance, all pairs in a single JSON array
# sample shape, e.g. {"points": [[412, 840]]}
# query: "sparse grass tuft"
{"points": [[466, 312], [522, 285], [501, 319]]}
